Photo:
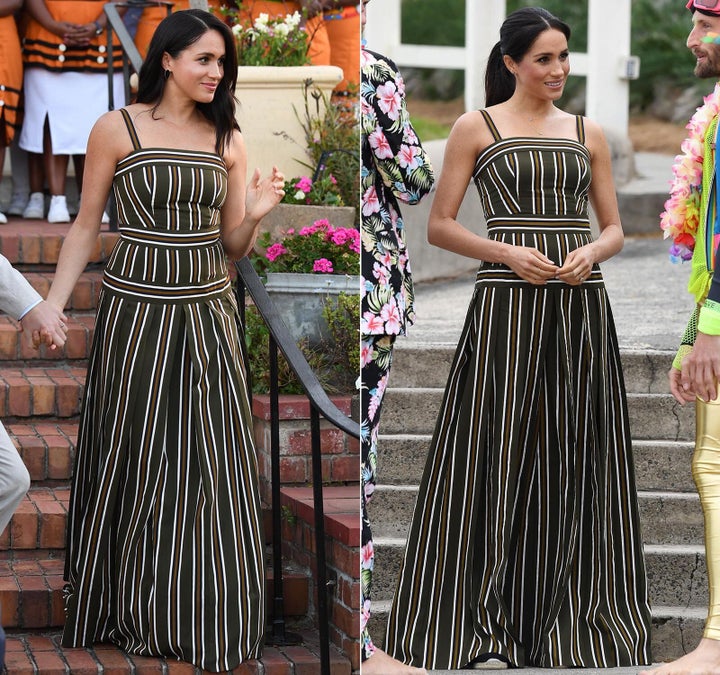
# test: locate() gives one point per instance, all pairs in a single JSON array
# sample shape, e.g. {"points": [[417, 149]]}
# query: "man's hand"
{"points": [[681, 395], [701, 367], [44, 323]]}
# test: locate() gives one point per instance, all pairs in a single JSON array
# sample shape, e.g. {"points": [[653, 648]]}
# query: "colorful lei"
{"points": [[681, 216]]}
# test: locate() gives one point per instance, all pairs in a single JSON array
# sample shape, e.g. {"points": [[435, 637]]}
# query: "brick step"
{"points": [[31, 593], [15, 351], [37, 242], [52, 391], [39, 522], [47, 447], [84, 296], [31, 654]]}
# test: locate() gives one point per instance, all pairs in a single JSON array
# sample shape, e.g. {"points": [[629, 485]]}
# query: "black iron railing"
{"points": [[320, 404]]}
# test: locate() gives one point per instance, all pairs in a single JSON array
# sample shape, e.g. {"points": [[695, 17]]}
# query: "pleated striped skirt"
{"points": [[525, 541], [165, 546]]}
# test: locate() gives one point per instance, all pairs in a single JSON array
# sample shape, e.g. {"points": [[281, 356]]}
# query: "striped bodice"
{"points": [[535, 192], [169, 205]]}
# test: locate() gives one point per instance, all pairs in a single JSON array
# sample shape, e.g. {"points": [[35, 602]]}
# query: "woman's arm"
{"points": [[245, 206], [107, 144], [469, 136], [38, 10], [9, 7]]}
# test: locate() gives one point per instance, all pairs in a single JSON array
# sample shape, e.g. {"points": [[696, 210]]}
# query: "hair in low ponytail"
{"points": [[499, 81], [517, 34]]}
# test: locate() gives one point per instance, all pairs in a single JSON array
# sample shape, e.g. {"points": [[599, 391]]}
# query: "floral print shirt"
{"points": [[394, 167]]}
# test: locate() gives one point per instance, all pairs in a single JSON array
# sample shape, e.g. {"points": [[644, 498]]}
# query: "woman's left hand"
{"points": [[264, 194], [578, 266]]}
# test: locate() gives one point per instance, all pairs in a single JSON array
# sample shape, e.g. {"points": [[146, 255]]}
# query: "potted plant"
{"points": [[306, 270], [272, 80]]}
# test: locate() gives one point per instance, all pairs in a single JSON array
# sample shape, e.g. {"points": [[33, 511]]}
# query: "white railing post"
{"points": [[609, 65], [482, 26], [383, 29]]}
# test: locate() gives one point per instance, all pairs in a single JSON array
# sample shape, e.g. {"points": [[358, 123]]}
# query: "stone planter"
{"points": [[271, 106], [300, 299], [297, 216]]}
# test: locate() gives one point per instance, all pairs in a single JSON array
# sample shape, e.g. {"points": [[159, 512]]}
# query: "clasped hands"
{"points": [[44, 324], [536, 268]]}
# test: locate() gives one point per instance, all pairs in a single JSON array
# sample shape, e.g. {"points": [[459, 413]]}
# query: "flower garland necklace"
{"points": [[682, 210]]}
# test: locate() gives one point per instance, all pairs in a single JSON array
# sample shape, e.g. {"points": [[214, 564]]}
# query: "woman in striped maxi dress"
{"points": [[525, 543], [164, 547]]}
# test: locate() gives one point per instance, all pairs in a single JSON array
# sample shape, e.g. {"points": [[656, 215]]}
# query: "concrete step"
{"points": [[677, 575], [675, 631], [427, 366], [40, 391], [33, 654], [671, 518], [652, 416], [659, 465], [31, 592]]}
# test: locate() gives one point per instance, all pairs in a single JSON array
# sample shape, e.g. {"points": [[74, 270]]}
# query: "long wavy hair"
{"points": [[174, 34], [517, 35]]}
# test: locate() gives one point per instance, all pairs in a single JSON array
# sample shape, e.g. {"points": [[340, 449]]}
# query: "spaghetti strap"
{"points": [[131, 129], [580, 126], [491, 125]]}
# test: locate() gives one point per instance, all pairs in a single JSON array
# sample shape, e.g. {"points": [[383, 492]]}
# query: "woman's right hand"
{"points": [[530, 264]]}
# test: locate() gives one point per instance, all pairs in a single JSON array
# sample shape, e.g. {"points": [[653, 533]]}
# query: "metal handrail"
{"points": [[320, 404]]}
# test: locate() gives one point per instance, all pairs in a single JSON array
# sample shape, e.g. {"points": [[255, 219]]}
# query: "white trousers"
{"points": [[14, 478]]}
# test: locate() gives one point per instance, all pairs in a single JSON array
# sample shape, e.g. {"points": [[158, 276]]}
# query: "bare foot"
{"points": [[703, 660], [381, 663]]}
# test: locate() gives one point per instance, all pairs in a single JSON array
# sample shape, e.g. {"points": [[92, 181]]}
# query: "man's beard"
{"points": [[710, 67]]}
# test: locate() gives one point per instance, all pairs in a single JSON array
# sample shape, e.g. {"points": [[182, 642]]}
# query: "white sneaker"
{"points": [[35, 207], [3, 218], [58, 212], [18, 202]]}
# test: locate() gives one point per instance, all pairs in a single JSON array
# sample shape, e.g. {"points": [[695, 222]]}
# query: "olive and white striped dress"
{"points": [[165, 546], [525, 541]]}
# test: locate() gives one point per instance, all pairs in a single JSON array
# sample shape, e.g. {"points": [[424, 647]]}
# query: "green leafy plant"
{"points": [[319, 248], [335, 362], [269, 41], [323, 191], [332, 137]]}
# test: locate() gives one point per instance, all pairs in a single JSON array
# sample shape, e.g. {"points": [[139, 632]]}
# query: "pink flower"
{"points": [[323, 265], [365, 354], [391, 317], [371, 323], [380, 272], [408, 156], [370, 201], [304, 184], [389, 99], [379, 144], [275, 251]]}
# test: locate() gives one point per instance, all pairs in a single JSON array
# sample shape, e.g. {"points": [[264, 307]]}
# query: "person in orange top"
{"points": [[11, 75], [342, 23], [66, 90]]}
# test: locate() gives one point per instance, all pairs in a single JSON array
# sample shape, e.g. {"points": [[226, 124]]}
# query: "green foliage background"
{"points": [[659, 31]]}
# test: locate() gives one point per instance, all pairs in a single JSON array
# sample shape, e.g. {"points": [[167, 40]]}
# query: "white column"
{"points": [[482, 31], [383, 27], [609, 63]]}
